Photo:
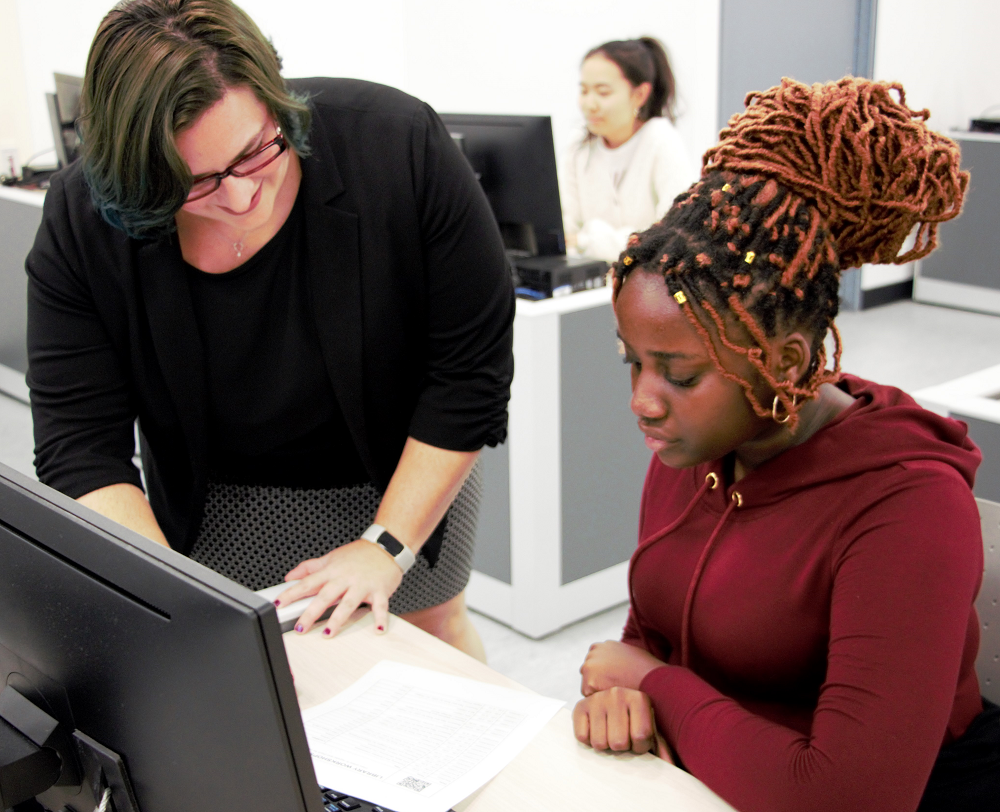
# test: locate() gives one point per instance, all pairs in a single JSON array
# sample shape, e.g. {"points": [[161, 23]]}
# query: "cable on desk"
{"points": [[105, 800]]}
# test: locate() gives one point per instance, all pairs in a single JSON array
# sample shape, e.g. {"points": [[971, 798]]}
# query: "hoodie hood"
{"points": [[884, 427]]}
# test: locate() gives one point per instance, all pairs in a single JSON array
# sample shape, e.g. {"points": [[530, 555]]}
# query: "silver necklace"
{"points": [[238, 247]]}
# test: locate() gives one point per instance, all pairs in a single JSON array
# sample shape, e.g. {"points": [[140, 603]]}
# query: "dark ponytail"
{"points": [[643, 60]]}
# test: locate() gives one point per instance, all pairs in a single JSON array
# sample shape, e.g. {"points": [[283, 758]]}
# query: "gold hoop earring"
{"points": [[774, 410]]}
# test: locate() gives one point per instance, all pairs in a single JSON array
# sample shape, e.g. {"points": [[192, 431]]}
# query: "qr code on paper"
{"points": [[414, 783]]}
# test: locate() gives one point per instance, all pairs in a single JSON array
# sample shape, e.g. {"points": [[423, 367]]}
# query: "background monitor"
{"points": [[178, 670], [64, 110], [514, 159]]}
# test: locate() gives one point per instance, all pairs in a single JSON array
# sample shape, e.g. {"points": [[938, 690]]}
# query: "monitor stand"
{"points": [[38, 759]]}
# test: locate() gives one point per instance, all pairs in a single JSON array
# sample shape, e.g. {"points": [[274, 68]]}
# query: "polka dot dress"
{"points": [[254, 534]]}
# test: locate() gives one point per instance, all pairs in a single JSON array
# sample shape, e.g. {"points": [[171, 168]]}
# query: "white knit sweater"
{"points": [[602, 214]]}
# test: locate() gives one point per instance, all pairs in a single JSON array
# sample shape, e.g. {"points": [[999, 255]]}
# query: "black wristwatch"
{"points": [[401, 554]]}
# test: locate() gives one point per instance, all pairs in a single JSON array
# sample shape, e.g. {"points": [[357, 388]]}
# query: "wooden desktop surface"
{"points": [[553, 772]]}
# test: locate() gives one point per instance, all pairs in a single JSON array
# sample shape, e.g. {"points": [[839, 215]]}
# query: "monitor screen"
{"points": [[514, 159], [179, 671], [68, 90], [64, 109]]}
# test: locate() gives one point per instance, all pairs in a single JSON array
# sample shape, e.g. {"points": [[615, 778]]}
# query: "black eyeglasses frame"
{"points": [[233, 169]]}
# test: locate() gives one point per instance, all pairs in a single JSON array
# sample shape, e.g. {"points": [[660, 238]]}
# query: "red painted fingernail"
{"points": [[380, 628], [299, 628], [326, 632], [277, 603]]}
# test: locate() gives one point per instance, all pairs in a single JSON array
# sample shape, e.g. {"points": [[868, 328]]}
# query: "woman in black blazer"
{"points": [[299, 291]]}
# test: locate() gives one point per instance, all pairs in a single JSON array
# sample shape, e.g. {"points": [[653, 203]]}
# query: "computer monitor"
{"points": [[515, 161], [138, 651], [64, 110]]}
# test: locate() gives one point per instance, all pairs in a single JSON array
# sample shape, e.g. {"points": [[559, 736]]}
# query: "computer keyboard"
{"points": [[339, 802]]}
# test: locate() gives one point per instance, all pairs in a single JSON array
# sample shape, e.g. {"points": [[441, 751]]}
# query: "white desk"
{"points": [[555, 772], [560, 509], [20, 214]]}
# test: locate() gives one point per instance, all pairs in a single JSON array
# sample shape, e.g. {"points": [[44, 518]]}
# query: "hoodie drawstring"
{"points": [[736, 502], [710, 484]]}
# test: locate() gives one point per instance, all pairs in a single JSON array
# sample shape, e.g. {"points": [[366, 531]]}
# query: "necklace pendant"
{"points": [[238, 248]]}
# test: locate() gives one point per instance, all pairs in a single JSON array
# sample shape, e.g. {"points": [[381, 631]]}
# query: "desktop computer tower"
{"points": [[545, 277]]}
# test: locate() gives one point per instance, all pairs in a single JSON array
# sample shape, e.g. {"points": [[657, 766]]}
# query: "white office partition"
{"points": [[573, 507]]}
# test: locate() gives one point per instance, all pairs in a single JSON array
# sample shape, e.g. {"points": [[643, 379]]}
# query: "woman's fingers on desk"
{"points": [[612, 663], [350, 575], [618, 719]]}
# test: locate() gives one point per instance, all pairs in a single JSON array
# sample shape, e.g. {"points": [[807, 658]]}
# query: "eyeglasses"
{"points": [[204, 185]]}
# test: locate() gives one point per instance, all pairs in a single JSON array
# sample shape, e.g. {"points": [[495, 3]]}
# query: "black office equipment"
{"points": [[984, 125], [64, 110], [557, 276], [514, 159], [140, 669]]}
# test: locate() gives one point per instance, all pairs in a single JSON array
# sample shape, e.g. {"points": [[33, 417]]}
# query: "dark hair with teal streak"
{"points": [[154, 68]]}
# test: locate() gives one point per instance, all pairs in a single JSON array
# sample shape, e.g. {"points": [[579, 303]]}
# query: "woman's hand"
{"points": [[612, 664], [620, 720], [355, 573], [425, 483]]}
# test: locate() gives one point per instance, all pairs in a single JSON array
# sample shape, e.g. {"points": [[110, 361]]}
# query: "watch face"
{"points": [[390, 544]]}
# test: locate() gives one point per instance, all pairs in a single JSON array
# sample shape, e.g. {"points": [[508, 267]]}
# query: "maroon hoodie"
{"points": [[817, 616]]}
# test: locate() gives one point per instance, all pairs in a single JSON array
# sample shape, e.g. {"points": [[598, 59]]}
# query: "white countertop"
{"points": [[30, 197], [966, 135]]}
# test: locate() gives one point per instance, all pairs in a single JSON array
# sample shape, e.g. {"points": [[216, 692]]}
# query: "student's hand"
{"points": [[619, 720], [355, 573], [610, 664]]}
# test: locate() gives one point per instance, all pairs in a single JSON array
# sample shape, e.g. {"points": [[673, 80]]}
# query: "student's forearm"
{"points": [[421, 490], [126, 504]]}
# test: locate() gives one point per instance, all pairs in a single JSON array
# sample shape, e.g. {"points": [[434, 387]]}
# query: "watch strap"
{"points": [[401, 554]]}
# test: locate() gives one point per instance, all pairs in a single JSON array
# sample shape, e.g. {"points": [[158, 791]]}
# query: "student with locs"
{"points": [[801, 634], [298, 290]]}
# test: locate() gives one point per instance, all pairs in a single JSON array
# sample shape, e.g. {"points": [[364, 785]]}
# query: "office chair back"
{"points": [[988, 603]]}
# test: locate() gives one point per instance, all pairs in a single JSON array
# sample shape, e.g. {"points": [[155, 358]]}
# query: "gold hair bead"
{"points": [[627, 261], [680, 297], [726, 187], [748, 259]]}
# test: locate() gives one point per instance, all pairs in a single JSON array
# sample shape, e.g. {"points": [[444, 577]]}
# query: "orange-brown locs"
{"points": [[867, 162], [806, 182]]}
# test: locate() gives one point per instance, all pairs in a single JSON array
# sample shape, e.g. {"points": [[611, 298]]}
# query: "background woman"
{"points": [[802, 631], [299, 291], [623, 176]]}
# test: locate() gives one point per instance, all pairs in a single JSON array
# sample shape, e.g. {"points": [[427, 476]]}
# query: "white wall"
{"points": [[483, 56], [944, 54], [15, 131], [55, 37]]}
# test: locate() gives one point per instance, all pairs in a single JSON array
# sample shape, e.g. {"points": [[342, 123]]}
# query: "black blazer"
{"points": [[410, 291]]}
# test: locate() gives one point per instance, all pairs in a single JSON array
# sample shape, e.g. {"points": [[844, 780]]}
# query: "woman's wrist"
{"points": [[421, 490], [382, 538]]}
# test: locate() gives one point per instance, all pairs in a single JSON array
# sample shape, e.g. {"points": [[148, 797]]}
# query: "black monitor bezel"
{"points": [[74, 535], [532, 162]]}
